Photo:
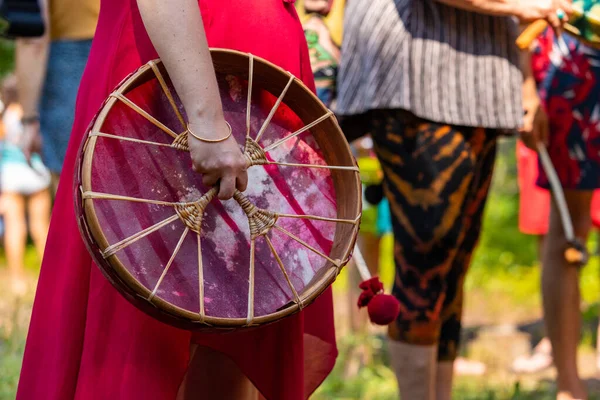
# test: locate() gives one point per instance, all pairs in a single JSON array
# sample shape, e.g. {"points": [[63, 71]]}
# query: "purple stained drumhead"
{"points": [[176, 251]]}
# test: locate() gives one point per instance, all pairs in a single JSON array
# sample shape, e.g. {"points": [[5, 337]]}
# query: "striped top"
{"points": [[438, 62]]}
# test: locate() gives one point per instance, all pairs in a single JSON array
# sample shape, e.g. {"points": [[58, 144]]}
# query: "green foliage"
{"points": [[590, 282], [501, 245], [7, 60]]}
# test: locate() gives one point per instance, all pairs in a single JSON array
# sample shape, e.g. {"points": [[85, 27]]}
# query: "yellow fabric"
{"points": [[73, 19], [370, 170], [334, 20]]}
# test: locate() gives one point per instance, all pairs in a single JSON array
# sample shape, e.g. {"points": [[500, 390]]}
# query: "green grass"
{"points": [[11, 353], [377, 381], [12, 345], [468, 389], [373, 381]]}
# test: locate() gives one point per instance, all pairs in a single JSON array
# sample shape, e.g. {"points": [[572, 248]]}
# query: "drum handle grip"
{"points": [[557, 192], [530, 33], [361, 264]]}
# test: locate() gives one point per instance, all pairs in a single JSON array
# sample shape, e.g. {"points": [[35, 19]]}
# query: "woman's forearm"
{"points": [[30, 59], [177, 33], [31, 56], [530, 94], [492, 7]]}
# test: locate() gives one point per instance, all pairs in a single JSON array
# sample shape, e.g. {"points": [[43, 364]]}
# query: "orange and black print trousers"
{"points": [[436, 178]]}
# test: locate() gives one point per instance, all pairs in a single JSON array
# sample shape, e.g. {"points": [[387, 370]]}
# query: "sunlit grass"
{"points": [[377, 381]]}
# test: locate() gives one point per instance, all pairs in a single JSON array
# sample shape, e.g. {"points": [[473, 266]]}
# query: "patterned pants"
{"points": [[436, 179]]}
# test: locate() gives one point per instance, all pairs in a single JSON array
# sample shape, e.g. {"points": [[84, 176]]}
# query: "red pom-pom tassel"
{"points": [[383, 309]]}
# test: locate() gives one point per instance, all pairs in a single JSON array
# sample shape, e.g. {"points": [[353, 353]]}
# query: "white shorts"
{"points": [[23, 179]]}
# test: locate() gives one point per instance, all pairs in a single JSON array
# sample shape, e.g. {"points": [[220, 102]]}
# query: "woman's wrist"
{"points": [[504, 7], [209, 138], [531, 97], [512, 8], [490, 7], [208, 129], [531, 102]]}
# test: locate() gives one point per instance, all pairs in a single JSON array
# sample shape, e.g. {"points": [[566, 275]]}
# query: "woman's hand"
{"points": [[220, 163], [535, 127], [532, 10]]}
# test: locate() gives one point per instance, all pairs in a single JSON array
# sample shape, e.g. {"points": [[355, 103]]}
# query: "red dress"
{"points": [[86, 341]]}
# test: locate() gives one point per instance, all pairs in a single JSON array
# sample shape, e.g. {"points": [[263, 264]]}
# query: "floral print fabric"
{"points": [[569, 87]]}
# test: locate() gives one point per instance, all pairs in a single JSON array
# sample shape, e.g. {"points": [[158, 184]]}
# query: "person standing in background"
{"points": [[48, 72], [25, 186], [534, 219], [322, 21], [561, 100], [435, 82]]}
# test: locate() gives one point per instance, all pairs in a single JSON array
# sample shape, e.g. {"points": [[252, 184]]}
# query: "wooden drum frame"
{"points": [[316, 119]]}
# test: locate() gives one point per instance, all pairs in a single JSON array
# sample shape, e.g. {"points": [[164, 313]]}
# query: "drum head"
{"points": [[177, 252]]}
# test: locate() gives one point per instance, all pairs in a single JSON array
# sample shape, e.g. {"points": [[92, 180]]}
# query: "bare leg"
{"points": [[54, 182], [541, 241], [415, 368], [38, 209], [16, 230], [213, 376], [443, 380], [561, 298]]}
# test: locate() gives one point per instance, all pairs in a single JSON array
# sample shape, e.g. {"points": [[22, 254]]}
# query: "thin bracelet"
{"points": [[211, 140]]}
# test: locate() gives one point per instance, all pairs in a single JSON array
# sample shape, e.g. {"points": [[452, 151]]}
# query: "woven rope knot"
{"points": [[181, 142], [192, 213], [254, 153], [260, 221]]}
